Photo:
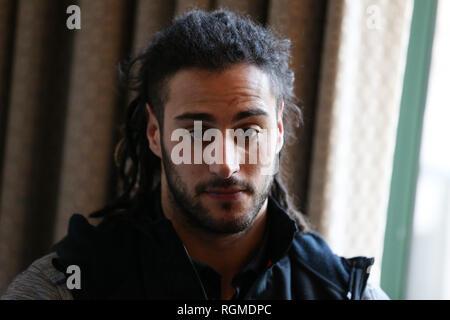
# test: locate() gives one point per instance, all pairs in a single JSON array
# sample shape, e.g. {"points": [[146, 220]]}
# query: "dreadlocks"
{"points": [[212, 41]]}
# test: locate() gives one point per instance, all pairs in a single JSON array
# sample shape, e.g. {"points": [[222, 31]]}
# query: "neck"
{"points": [[227, 254]]}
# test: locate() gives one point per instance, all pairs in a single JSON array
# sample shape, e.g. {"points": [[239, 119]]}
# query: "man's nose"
{"points": [[229, 163]]}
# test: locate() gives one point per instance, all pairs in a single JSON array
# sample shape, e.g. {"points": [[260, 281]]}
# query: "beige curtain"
{"points": [[60, 106], [361, 83]]}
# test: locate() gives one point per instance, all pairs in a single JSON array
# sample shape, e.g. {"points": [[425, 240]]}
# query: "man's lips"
{"points": [[225, 190], [225, 193]]}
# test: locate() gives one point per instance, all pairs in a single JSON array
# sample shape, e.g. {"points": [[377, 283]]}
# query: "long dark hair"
{"points": [[212, 41]]}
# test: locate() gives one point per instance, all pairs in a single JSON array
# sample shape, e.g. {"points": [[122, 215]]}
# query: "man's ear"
{"points": [[280, 127], [153, 132]]}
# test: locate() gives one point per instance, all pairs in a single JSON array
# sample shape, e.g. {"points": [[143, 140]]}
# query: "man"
{"points": [[198, 219]]}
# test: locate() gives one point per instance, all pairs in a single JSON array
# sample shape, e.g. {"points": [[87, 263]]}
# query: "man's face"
{"points": [[225, 196]]}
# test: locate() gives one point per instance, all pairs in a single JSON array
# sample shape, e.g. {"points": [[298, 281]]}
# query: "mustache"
{"points": [[224, 183]]}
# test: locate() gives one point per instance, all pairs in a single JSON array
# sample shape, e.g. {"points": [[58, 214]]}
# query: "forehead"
{"points": [[221, 93]]}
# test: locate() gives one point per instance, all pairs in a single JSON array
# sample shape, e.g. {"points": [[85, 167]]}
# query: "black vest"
{"points": [[135, 257]]}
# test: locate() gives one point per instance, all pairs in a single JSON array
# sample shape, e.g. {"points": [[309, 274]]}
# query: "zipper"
{"points": [[360, 271]]}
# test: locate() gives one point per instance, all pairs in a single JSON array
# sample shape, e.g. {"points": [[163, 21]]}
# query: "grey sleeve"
{"points": [[373, 292], [41, 281]]}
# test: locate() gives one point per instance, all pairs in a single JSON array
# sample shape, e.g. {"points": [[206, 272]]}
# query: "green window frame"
{"points": [[406, 158]]}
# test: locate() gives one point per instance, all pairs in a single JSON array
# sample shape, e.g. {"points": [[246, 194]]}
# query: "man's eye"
{"points": [[197, 135], [247, 132], [250, 132], [194, 135]]}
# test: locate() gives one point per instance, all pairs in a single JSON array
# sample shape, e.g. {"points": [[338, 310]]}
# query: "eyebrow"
{"points": [[249, 113], [196, 116], [210, 118]]}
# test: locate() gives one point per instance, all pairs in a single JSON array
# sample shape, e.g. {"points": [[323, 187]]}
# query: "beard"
{"points": [[200, 217]]}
